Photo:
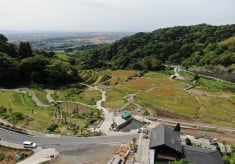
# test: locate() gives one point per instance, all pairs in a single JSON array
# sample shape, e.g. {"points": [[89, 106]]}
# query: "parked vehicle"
{"points": [[139, 130], [29, 144]]}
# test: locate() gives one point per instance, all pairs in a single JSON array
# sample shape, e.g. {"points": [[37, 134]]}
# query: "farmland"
{"points": [[165, 97], [39, 119], [154, 92]]}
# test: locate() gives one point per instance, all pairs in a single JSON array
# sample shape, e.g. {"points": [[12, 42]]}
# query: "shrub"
{"points": [[196, 77], [226, 159], [2, 157], [188, 142], [146, 112], [19, 116], [52, 127], [182, 161], [2, 109]]}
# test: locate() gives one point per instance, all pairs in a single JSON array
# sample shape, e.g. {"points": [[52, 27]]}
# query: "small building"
{"points": [[197, 155], [126, 115], [165, 145]]}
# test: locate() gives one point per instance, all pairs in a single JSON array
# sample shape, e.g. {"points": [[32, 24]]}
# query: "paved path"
{"points": [[11, 144], [143, 150], [48, 96]]}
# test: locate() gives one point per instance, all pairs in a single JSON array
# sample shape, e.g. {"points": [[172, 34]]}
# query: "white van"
{"points": [[29, 144]]}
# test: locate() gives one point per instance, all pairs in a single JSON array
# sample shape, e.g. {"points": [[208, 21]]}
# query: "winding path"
{"points": [[30, 93], [108, 116]]}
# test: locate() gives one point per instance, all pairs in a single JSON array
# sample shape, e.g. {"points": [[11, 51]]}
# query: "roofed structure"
{"points": [[165, 136], [126, 115], [198, 155], [165, 145]]}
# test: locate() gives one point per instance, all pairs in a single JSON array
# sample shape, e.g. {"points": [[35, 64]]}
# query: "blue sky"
{"points": [[112, 15]]}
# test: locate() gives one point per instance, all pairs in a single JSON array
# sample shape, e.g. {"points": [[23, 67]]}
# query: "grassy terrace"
{"points": [[85, 96], [41, 95], [166, 97], [114, 99], [154, 91], [210, 85], [40, 117]]}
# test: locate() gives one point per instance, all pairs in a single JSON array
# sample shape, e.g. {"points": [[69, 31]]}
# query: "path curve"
{"points": [[30, 93]]}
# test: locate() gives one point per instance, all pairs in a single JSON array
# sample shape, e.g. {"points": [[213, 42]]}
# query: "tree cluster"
{"points": [[187, 45], [20, 65]]}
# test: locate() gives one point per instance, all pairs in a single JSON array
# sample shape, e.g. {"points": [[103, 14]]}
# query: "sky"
{"points": [[112, 15]]}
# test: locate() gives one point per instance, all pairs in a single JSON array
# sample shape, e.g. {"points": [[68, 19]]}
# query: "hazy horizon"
{"points": [[111, 15]]}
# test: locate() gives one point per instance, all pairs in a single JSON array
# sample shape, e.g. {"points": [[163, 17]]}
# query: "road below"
{"points": [[64, 143]]}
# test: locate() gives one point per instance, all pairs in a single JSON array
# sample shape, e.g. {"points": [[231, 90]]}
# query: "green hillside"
{"points": [[20, 65], [198, 45]]}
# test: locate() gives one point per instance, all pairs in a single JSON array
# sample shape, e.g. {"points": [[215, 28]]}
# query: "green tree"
{"points": [[9, 70], [196, 77], [60, 72], [232, 159], [25, 50], [33, 68], [3, 39]]}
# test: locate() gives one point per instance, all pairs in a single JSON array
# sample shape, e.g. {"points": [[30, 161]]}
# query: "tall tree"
{"points": [[25, 50], [3, 39]]}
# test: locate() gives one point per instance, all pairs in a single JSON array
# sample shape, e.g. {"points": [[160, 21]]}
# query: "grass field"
{"points": [[41, 118], [210, 85], [114, 99], [88, 97], [85, 96], [19, 102], [41, 95], [155, 92], [165, 97]]}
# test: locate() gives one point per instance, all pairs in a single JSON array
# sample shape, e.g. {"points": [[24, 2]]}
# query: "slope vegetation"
{"points": [[198, 45]]}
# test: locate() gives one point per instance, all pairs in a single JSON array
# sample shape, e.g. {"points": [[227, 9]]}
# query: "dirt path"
{"points": [[108, 116], [49, 93]]}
